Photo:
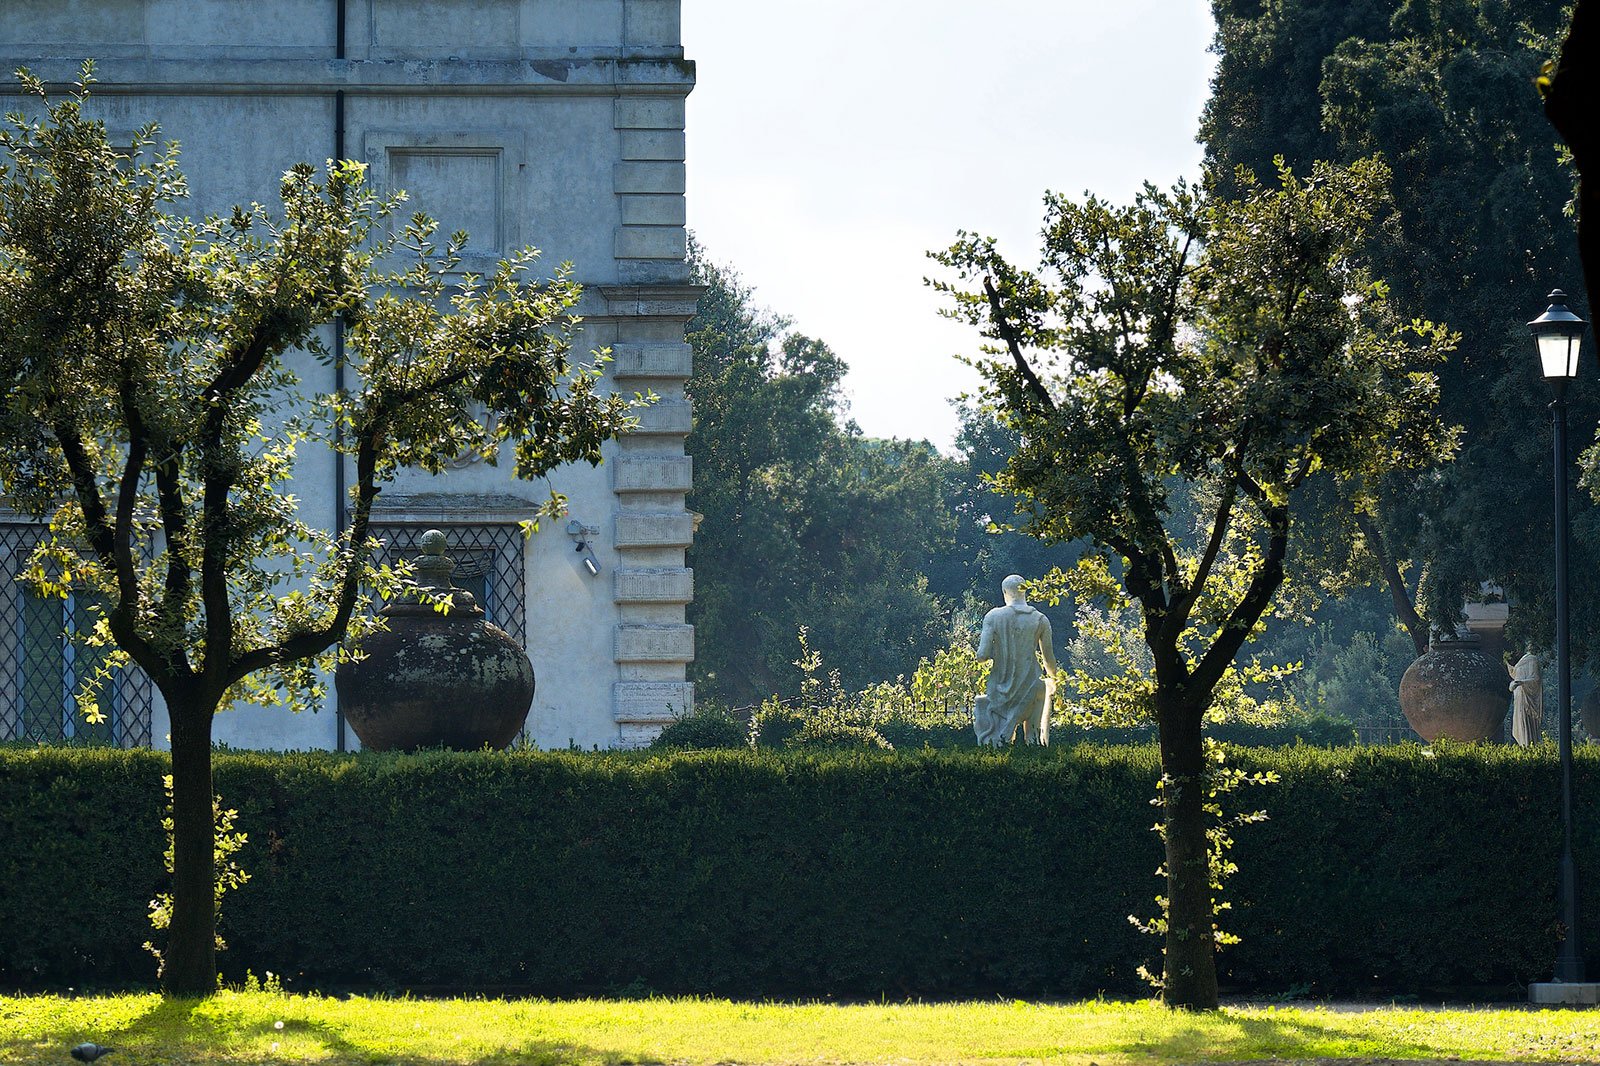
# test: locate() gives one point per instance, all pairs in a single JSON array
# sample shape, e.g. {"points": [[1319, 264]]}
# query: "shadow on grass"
{"points": [[149, 1031], [1221, 1036], [179, 1031]]}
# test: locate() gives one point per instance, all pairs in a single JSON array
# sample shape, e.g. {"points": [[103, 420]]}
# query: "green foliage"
{"points": [[952, 678], [1219, 781], [229, 874], [709, 726], [1315, 730], [824, 715], [147, 364], [807, 522], [934, 709], [1109, 677], [1372, 876], [1235, 346], [913, 728], [1568, 83], [1178, 371], [987, 548], [1361, 680], [830, 731], [872, 545], [82, 860], [1444, 91]]}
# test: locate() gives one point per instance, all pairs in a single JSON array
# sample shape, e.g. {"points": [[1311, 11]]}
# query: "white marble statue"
{"points": [[1527, 707], [1016, 700]]}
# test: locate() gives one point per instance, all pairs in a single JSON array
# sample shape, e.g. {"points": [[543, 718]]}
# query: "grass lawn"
{"points": [[265, 1027]]}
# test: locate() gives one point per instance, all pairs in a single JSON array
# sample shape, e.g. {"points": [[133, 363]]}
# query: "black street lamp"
{"points": [[1559, 333]]}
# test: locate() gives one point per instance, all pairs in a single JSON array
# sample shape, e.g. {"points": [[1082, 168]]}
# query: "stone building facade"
{"points": [[557, 123]]}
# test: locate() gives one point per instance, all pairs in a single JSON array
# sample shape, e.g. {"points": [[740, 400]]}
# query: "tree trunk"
{"points": [[1405, 608], [190, 956], [1189, 971]]}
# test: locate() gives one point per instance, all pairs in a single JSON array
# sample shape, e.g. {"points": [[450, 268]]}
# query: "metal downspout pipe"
{"points": [[340, 490]]}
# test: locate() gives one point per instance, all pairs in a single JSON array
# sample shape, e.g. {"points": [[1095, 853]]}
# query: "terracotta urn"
{"points": [[1589, 714], [436, 679], [1456, 691]]}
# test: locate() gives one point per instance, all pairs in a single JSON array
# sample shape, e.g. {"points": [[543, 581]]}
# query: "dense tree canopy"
{"points": [[806, 522], [985, 549], [1570, 83], [1443, 90], [1237, 349]]}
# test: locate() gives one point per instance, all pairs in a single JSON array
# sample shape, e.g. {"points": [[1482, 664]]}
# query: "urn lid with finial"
{"points": [[432, 584]]}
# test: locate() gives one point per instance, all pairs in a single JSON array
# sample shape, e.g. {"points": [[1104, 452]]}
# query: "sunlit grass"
{"points": [[265, 1027]]}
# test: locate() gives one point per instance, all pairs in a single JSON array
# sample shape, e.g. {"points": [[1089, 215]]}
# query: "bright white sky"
{"points": [[833, 142]]}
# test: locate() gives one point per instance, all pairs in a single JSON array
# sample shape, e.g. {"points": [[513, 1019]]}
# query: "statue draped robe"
{"points": [[1017, 695], [1527, 708]]}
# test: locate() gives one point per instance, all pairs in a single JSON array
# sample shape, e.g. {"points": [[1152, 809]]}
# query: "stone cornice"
{"points": [[451, 508], [666, 301], [224, 76]]}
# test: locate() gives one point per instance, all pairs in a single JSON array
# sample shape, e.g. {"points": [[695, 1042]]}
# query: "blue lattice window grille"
{"points": [[488, 564], [44, 660]]}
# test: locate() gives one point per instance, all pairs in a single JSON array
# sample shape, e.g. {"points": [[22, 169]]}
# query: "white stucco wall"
{"points": [[557, 123]]}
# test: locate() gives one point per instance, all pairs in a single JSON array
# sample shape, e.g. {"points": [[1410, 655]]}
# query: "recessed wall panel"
{"points": [[458, 187]]}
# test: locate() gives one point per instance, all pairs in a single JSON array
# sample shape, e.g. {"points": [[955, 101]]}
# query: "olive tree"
{"points": [[152, 414], [1177, 373]]}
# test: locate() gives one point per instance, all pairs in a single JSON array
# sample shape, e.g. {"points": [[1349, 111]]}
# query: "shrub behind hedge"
{"points": [[795, 874]]}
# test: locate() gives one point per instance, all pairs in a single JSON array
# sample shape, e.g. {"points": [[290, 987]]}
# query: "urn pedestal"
{"points": [[436, 679], [1456, 691]]}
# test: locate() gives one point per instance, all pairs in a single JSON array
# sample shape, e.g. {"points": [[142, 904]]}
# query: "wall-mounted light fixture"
{"points": [[581, 535]]}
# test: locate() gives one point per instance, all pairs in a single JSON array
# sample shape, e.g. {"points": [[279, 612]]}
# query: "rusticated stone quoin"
{"points": [[435, 679]]}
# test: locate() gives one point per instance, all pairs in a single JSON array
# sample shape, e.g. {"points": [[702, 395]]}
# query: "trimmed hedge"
{"points": [[1318, 730], [788, 725], [80, 859], [857, 874]]}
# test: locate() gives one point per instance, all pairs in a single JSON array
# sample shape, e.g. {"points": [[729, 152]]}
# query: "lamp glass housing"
{"points": [[1558, 354], [1559, 335]]}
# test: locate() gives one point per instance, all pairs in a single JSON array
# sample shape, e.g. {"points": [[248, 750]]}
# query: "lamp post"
{"points": [[1558, 333]]}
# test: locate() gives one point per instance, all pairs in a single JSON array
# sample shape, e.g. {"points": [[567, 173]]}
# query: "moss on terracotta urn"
{"points": [[1457, 692], [435, 678]]}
